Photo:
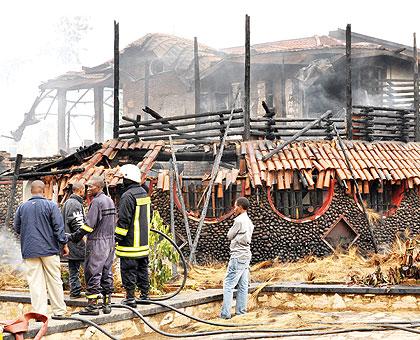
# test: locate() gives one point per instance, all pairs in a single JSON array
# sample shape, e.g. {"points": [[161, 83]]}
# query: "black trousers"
{"points": [[135, 272]]}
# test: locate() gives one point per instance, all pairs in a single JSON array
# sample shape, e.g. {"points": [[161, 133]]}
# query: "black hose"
{"points": [[86, 321], [192, 317], [184, 265], [191, 335], [386, 327]]}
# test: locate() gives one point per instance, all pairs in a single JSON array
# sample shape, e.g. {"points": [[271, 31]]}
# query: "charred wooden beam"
{"points": [[189, 138], [12, 196], [116, 78], [61, 121], [184, 117], [174, 126], [381, 108], [359, 196], [296, 136], [348, 82], [247, 80], [146, 86], [39, 174], [416, 88], [197, 85], [98, 95]]}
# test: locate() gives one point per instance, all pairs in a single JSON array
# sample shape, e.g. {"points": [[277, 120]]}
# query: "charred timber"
{"points": [[35, 174], [380, 108], [191, 130], [190, 116], [195, 136], [150, 127]]}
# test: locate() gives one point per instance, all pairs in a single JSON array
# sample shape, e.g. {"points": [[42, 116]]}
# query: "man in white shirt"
{"points": [[237, 274]]}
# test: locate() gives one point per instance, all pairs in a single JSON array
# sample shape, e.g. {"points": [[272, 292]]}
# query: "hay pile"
{"points": [[340, 267], [11, 278]]}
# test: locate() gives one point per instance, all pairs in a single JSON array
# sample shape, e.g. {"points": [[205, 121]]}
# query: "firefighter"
{"points": [[132, 235], [74, 217], [100, 248]]}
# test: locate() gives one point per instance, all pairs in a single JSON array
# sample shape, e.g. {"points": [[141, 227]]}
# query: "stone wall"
{"points": [[5, 186], [276, 237]]}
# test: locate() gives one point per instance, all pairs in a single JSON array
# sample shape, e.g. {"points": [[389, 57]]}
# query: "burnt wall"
{"points": [[273, 236], [5, 187], [407, 216]]}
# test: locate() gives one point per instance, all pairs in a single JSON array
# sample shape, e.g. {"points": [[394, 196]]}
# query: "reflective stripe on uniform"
{"points": [[131, 249], [93, 296], [143, 200], [121, 231], [136, 241], [85, 227], [132, 254]]}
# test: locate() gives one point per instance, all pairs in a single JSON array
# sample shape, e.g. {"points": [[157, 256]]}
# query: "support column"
{"points": [[61, 121], [146, 87], [247, 83], [98, 102], [416, 89], [282, 90], [349, 103], [197, 85], [116, 78]]}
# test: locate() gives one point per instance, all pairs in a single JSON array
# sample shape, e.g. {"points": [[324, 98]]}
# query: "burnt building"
{"points": [[298, 78]]}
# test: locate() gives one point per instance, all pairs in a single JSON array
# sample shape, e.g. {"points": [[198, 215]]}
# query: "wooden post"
{"points": [[68, 130], [98, 103], [11, 202], [197, 85], [171, 207], [416, 89], [61, 121], [214, 172], [356, 186], [146, 86], [116, 78], [348, 83], [247, 82], [179, 192], [282, 90]]}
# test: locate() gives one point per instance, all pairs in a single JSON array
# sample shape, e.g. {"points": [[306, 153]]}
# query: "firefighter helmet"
{"points": [[131, 172]]}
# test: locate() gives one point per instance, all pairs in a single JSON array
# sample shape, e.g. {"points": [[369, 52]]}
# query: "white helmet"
{"points": [[131, 172]]}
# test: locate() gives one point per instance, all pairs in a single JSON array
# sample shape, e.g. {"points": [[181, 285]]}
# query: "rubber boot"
{"points": [[91, 308], [130, 299], [106, 304], [144, 299]]}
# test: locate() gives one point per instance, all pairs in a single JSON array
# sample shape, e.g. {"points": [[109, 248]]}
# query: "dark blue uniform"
{"points": [[100, 245]]}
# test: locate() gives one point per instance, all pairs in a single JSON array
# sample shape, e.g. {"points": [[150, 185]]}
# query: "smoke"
{"points": [[10, 253]]}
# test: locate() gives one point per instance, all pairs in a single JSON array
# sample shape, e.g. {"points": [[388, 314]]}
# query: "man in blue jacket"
{"points": [[40, 226]]}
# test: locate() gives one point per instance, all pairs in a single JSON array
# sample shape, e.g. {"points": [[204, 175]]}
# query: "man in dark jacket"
{"points": [[100, 247], [132, 235], [74, 218], [41, 229]]}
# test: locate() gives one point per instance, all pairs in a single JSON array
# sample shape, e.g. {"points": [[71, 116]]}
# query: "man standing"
{"points": [[40, 226], [74, 219], [132, 235], [100, 244], [240, 235]]}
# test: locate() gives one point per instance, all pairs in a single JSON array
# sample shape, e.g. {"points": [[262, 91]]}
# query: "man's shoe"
{"points": [[106, 305], [130, 302], [91, 308], [144, 299]]}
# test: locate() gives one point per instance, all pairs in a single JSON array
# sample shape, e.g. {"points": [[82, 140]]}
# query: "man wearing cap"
{"points": [[100, 247], [132, 235]]}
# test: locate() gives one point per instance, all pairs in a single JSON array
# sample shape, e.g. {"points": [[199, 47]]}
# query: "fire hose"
{"points": [[256, 333]]}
